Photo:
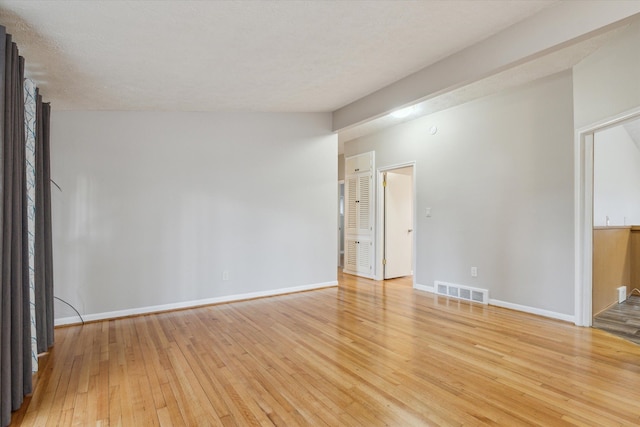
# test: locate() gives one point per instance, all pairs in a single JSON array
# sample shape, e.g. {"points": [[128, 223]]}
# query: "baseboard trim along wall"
{"points": [[190, 304], [424, 288], [511, 306], [533, 310]]}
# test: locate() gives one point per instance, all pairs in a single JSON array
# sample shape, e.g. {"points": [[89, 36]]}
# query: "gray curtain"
{"points": [[15, 353], [43, 251], [15, 326]]}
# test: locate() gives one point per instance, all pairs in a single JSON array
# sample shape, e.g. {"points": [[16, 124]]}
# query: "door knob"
{"points": [[409, 230]]}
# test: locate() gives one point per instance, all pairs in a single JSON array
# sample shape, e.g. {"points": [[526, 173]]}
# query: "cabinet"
{"points": [[359, 164], [358, 255], [359, 220]]}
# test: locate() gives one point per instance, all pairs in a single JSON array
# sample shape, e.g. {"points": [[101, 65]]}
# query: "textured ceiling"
{"points": [[293, 56], [543, 66]]}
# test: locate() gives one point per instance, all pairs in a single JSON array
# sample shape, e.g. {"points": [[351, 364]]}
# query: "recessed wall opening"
{"points": [[616, 229], [607, 213], [396, 213]]}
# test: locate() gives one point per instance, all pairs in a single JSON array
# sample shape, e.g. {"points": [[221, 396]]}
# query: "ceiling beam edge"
{"points": [[551, 29]]}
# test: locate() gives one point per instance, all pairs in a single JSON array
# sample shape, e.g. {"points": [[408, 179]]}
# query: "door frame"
{"points": [[379, 234], [583, 213], [340, 244]]}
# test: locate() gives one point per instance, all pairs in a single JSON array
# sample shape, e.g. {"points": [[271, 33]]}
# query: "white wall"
{"points": [[498, 177], [607, 82], [155, 206], [616, 178]]}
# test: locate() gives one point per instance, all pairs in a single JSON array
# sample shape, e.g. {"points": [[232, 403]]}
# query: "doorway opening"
{"points": [[616, 230], [396, 230], [588, 267]]}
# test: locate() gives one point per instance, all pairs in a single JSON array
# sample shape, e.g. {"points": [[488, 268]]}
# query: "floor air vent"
{"points": [[462, 292]]}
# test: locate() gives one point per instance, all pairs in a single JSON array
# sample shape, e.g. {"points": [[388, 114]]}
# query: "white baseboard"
{"points": [[518, 307], [424, 288], [190, 304], [533, 310]]}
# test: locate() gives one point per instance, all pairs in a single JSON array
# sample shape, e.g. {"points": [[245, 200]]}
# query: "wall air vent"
{"points": [[466, 293], [441, 288]]}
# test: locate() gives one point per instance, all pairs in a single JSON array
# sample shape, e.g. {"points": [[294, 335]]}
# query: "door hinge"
{"points": [[384, 262], [384, 184]]}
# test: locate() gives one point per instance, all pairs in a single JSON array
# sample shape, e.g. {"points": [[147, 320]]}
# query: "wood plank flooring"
{"points": [[622, 320], [363, 353]]}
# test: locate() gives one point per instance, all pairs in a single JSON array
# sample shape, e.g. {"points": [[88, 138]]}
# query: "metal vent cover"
{"points": [[462, 292]]}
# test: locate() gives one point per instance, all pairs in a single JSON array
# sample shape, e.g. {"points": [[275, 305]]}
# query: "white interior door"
{"points": [[398, 225]]}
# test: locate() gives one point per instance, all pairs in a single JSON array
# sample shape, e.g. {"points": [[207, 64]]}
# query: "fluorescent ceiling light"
{"points": [[403, 112]]}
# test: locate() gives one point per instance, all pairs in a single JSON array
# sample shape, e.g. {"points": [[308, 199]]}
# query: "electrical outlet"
{"points": [[474, 271], [225, 275], [428, 212]]}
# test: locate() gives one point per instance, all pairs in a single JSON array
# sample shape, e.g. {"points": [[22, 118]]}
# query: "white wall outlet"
{"points": [[428, 212], [225, 275], [474, 271], [622, 294]]}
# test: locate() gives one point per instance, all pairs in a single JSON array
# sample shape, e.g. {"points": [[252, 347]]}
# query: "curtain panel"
{"points": [[15, 351], [43, 240], [26, 284], [30, 161]]}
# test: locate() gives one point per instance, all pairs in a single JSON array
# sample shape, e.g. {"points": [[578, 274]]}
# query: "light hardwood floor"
{"points": [[364, 353]]}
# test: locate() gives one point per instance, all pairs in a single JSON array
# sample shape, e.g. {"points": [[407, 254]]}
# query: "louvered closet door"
{"points": [[359, 218], [363, 248], [358, 212], [358, 255], [350, 255], [364, 204], [351, 196]]}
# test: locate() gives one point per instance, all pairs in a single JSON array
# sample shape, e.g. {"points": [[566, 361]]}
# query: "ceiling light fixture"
{"points": [[403, 112]]}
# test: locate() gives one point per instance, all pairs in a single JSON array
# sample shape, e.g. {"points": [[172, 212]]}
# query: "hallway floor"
{"points": [[622, 320]]}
